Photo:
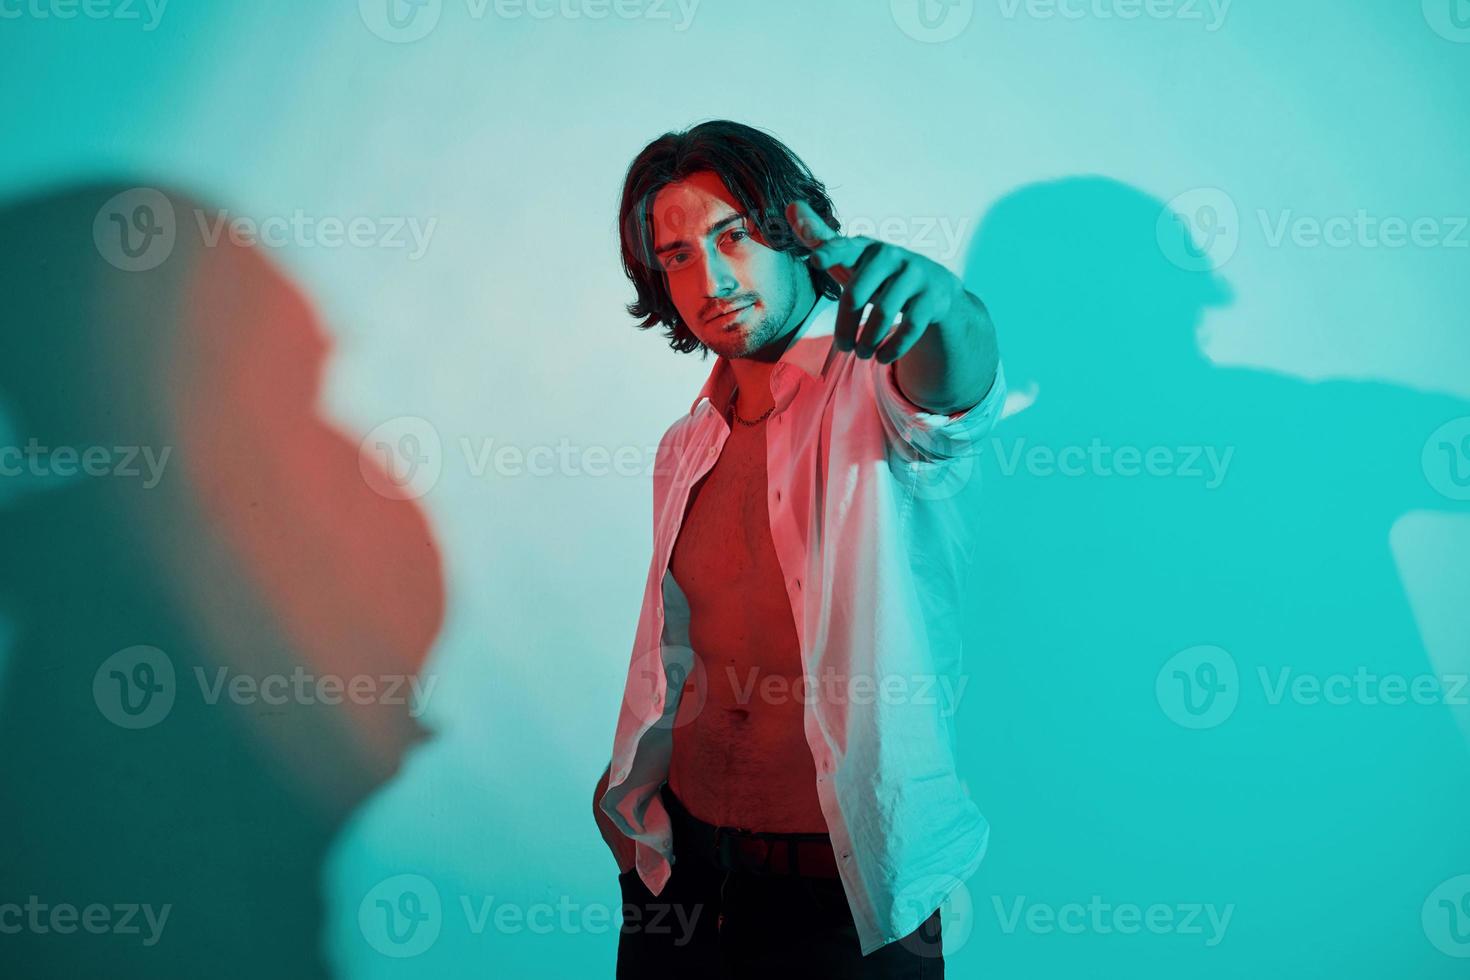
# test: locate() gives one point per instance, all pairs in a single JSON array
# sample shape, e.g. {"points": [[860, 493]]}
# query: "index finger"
{"points": [[831, 250], [808, 225]]}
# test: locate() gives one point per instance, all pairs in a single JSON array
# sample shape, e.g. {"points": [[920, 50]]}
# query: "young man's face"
{"points": [[735, 292]]}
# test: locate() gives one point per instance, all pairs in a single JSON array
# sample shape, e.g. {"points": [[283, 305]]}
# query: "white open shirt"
{"points": [[872, 504]]}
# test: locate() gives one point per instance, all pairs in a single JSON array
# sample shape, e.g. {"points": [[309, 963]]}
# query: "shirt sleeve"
{"points": [[930, 435]]}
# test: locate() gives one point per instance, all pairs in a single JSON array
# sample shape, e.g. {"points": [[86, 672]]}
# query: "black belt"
{"points": [[758, 852]]}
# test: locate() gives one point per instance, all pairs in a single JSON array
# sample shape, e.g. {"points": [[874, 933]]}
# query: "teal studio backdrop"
{"points": [[355, 266]]}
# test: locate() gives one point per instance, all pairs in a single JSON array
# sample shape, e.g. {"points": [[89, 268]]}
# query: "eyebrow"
{"points": [[720, 225]]}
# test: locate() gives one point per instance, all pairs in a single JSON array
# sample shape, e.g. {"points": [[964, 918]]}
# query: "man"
{"points": [[782, 793]]}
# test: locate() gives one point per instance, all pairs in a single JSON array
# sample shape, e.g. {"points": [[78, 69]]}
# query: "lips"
{"points": [[726, 316]]}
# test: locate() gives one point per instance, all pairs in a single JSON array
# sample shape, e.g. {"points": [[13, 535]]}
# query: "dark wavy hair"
{"points": [[763, 175]]}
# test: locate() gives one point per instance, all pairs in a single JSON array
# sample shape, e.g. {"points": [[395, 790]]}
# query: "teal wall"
{"points": [[1033, 153]]}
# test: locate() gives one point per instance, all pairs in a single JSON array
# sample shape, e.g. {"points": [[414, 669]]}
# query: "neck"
{"points": [[752, 387], [753, 374]]}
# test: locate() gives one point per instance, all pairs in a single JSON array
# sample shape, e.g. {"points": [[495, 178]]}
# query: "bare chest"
{"points": [[724, 555]]}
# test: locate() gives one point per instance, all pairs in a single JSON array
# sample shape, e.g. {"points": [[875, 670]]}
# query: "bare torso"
{"points": [[740, 759]]}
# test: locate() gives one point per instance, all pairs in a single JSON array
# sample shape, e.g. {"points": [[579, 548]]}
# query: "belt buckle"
{"points": [[734, 858]]}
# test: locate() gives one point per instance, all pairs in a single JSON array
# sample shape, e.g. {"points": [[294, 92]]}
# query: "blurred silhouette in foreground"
{"points": [[1177, 545], [213, 622]]}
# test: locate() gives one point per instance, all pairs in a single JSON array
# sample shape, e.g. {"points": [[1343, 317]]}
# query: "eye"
{"points": [[675, 260], [733, 237]]}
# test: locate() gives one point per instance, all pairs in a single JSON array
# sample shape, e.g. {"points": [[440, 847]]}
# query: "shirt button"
{"points": [[711, 450]]}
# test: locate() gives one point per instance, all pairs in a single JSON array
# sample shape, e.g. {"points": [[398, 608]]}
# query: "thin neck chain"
{"points": [[734, 396]]}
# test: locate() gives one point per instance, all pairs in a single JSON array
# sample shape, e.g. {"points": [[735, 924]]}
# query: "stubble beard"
{"points": [[747, 343]]}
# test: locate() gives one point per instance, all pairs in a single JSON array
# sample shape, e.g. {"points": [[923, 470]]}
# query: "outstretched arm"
{"points": [[943, 342]]}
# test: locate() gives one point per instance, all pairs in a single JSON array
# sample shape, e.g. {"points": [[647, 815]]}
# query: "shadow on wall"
{"points": [[180, 610], [1175, 545]]}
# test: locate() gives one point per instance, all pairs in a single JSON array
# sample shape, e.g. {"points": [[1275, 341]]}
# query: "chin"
{"points": [[751, 340], [731, 346]]}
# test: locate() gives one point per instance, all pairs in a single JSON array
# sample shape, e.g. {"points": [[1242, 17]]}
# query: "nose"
{"points": [[719, 280]]}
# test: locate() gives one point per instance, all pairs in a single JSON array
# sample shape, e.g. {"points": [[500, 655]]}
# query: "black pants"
{"points": [[734, 924]]}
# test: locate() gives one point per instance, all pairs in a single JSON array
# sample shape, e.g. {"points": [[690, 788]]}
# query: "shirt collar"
{"points": [[807, 351]]}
